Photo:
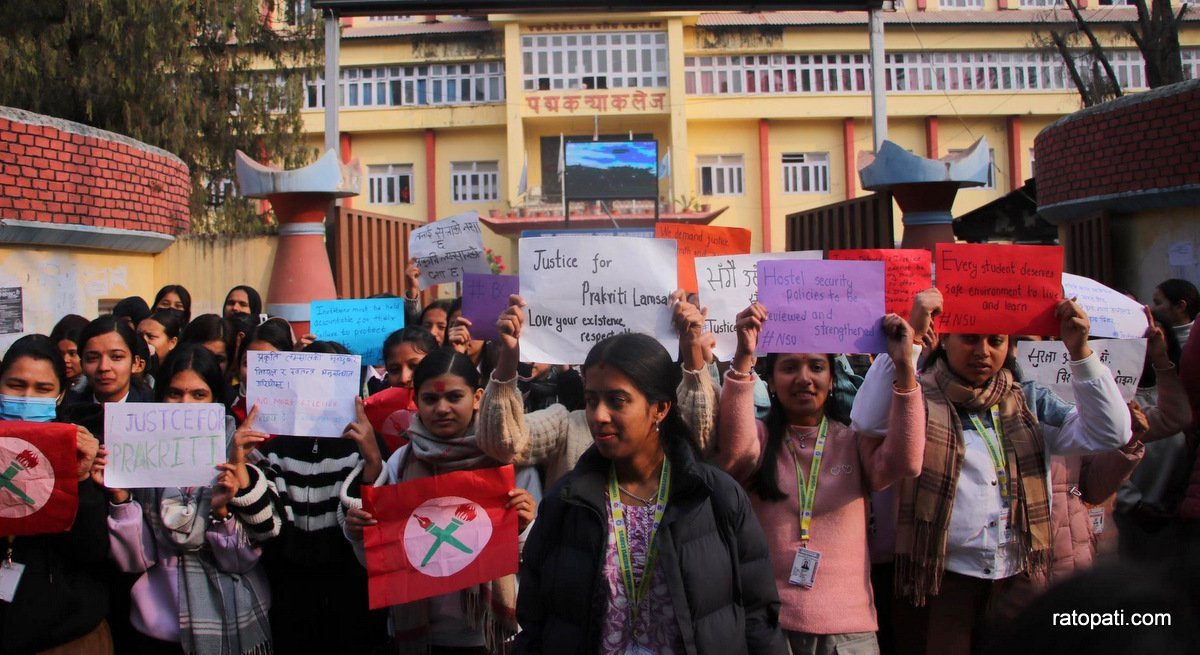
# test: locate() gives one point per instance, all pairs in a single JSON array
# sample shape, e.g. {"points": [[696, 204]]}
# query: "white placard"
{"points": [[154, 445], [1112, 314], [728, 284], [1048, 362], [302, 394], [448, 248], [581, 290]]}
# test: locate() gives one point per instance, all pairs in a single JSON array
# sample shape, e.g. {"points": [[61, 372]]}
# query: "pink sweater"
{"points": [[840, 600]]}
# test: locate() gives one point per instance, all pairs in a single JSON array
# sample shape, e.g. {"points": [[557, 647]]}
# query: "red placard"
{"points": [[906, 272], [39, 478], [701, 241], [999, 289], [438, 535]]}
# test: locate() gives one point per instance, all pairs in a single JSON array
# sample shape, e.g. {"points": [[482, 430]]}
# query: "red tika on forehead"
{"points": [[439, 386]]}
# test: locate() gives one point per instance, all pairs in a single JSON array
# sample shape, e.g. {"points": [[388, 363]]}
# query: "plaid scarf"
{"points": [[926, 501]]}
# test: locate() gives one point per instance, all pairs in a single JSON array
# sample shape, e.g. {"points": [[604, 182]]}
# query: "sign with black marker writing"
{"points": [[154, 445], [999, 289], [302, 394], [1048, 362], [448, 248], [822, 307]]}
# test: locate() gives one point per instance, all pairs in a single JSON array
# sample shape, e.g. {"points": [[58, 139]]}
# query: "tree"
{"points": [[198, 78]]}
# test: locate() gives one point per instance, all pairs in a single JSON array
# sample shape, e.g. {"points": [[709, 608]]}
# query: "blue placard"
{"points": [[360, 325]]}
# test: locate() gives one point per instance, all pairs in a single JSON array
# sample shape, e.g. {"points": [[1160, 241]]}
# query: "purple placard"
{"points": [[484, 298], [822, 306]]}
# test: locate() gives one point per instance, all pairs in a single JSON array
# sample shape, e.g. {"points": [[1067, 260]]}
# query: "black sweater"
{"points": [[61, 596]]}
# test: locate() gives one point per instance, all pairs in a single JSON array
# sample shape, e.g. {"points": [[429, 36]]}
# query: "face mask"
{"points": [[20, 408]]}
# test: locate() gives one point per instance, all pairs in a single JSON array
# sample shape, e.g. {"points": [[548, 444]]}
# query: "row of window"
{"points": [[908, 72], [609, 60], [417, 85], [470, 181]]}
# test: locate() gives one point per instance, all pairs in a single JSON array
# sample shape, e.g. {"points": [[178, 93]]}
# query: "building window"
{"points": [[600, 60], [962, 4], [430, 84], [806, 172], [474, 181], [777, 74], [721, 175], [991, 178], [1039, 4], [390, 185], [219, 190]]}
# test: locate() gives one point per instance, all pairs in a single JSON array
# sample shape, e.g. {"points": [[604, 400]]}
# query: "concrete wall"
{"points": [[1141, 248]]}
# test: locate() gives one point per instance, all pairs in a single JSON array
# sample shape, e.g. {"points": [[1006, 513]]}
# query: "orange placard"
{"points": [[906, 272], [701, 241], [999, 289]]}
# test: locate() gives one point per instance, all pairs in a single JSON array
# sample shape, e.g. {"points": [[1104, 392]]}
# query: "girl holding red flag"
{"points": [[442, 439]]}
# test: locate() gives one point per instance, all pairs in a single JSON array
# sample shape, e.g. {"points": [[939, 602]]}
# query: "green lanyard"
{"points": [[995, 448], [636, 590], [806, 493]]}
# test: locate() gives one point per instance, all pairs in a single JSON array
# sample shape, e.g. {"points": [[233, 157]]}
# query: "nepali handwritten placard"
{"points": [[999, 289], [303, 394], [582, 290], [694, 241], [154, 445], [448, 248], [907, 272], [822, 307], [1111, 313], [728, 285], [1048, 362], [359, 325], [484, 298]]}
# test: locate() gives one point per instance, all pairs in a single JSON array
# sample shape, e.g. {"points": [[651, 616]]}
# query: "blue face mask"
{"points": [[20, 408]]}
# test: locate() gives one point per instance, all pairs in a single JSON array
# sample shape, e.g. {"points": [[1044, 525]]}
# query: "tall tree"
{"points": [[198, 78]]}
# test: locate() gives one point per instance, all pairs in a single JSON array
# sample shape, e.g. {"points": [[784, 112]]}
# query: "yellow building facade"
{"points": [[761, 114]]}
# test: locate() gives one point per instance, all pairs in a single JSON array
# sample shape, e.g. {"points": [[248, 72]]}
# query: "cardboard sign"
{"points": [[302, 394], [438, 535], [448, 248], [822, 307], [484, 298], [1048, 362], [153, 445], [39, 478], [582, 290], [999, 289], [359, 325], [907, 272], [694, 241], [1111, 313], [728, 285]]}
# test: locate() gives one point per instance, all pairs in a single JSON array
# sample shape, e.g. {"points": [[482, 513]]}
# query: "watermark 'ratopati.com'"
{"points": [[1115, 618]]}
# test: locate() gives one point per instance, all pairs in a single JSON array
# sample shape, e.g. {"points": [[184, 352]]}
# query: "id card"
{"points": [[1006, 532], [10, 577], [804, 568], [1096, 514]]}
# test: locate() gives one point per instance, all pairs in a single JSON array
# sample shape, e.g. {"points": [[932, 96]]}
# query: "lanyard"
{"points": [[635, 590], [806, 493], [994, 447]]}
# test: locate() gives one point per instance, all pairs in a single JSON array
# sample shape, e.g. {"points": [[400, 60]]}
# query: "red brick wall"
{"points": [[55, 171], [1140, 143]]}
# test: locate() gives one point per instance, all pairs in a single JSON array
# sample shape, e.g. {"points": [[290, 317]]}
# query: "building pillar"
{"points": [[1016, 179], [514, 91], [764, 181], [849, 158], [931, 137], [431, 214], [346, 156], [681, 168]]}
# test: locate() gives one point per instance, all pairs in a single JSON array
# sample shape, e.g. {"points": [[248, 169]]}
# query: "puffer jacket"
{"points": [[712, 549], [1080, 482]]}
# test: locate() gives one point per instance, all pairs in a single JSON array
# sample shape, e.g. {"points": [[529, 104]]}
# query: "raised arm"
{"points": [[1171, 414], [900, 454], [696, 395], [1100, 421], [739, 435]]}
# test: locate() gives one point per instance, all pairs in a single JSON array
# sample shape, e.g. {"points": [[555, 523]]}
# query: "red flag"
{"points": [[438, 535], [39, 483], [390, 412]]}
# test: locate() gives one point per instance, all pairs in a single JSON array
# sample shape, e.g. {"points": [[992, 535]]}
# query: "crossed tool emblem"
{"points": [[462, 514], [25, 460]]}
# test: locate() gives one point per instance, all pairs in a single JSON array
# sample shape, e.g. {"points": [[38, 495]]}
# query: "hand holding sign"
{"points": [[509, 327], [747, 326], [926, 308], [1074, 327], [689, 320], [245, 439], [1156, 344]]}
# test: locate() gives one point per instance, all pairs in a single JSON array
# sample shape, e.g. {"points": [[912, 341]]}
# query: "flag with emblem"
{"points": [[39, 485]]}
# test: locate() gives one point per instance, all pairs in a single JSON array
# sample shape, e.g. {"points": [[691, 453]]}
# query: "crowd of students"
{"points": [[926, 502]]}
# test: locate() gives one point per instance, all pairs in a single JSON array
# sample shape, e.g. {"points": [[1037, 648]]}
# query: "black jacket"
{"points": [[710, 544], [62, 595]]}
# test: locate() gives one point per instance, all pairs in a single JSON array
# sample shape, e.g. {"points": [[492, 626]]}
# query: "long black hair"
{"points": [[1175, 290], [421, 339], [184, 297], [1174, 352], [69, 328], [443, 361], [39, 347], [190, 357], [654, 373], [170, 319], [765, 481], [252, 297]]}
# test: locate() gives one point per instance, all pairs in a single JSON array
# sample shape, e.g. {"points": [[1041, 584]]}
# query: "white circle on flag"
{"points": [[445, 534], [26, 478]]}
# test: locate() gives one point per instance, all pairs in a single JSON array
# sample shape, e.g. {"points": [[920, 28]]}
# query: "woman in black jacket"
{"points": [[639, 499]]}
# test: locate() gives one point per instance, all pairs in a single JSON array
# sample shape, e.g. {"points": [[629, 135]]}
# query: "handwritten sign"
{"points": [[448, 248], [907, 272], [694, 241], [728, 285], [484, 298], [1111, 313], [822, 307], [359, 325], [303, 394], [1048, 362], [999, 289], [163, 444], [582, 290]]}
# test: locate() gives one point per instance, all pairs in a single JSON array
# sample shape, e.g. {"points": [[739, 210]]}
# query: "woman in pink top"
{"points": [[810, 475]]}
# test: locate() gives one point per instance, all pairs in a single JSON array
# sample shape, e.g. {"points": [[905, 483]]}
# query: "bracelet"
{"points": [[213, 519], [736, 374]]}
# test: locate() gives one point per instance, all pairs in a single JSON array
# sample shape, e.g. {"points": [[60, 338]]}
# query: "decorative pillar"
{"points": [[430, 176], [1015, 179], [924, 188], [931, 137], [764, 181], [301, 198], [848, 157]]}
